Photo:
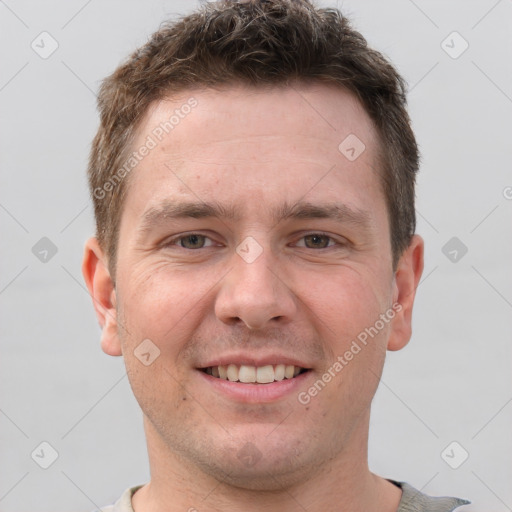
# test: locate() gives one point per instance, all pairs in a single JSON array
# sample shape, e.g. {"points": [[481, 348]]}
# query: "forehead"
{"points": [[321, 111], [250, 143]]}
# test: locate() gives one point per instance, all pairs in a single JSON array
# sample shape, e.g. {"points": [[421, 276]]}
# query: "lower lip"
{"points": [[256, 393]]}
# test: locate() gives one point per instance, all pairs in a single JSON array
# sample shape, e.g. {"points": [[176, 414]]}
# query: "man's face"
{"points": [[249, 238]]}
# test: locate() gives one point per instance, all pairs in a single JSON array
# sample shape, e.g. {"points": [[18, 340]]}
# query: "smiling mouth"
{"points": [[254, 374]]}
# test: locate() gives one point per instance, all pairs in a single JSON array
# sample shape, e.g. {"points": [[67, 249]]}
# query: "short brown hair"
{"points": [[259, 43]]}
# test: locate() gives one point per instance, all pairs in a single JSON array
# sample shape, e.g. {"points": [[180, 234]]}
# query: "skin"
{"points": [[307, 297]]}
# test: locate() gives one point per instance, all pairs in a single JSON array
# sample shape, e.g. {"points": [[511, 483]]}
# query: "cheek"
{"points": [[156, 322], [346, 302], [161, 303], [347, 311]]}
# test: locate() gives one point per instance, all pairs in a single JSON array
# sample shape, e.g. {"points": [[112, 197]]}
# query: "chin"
{"points": [[261, 465], [262, 476]]}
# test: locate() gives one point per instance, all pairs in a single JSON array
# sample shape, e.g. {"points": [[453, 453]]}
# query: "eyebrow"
{"points": [[169, 210]]}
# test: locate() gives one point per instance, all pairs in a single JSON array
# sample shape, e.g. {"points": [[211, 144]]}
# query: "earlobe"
{"points": [[101, 288], [407, 278]]}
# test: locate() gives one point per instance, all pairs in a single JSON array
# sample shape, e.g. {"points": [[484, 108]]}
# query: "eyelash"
{"points": [[174, 241]]}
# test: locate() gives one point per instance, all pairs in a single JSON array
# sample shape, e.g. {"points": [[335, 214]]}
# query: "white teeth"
{"points": [[288, 371], [279, 372], [247, 374], [232, 373], [251, 374], [265, 374]]}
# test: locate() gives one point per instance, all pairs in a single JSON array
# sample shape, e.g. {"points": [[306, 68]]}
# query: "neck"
{"points": [[342, 483]]}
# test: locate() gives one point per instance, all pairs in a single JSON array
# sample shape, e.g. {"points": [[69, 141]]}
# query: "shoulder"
{"points": [[416, 501], [124, 503]]}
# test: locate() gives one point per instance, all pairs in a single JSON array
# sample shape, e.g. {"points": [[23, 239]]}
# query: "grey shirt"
{"points": [[412, 501]]}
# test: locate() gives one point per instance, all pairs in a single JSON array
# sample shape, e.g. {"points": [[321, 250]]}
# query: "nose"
{"points": [[255, 293]]}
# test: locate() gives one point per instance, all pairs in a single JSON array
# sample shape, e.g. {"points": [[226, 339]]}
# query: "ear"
{"points": [[406, 280], [102, 290]]}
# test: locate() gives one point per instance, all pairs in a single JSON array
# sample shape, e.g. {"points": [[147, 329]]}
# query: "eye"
{"points": [[191, 241], [316, 241]]}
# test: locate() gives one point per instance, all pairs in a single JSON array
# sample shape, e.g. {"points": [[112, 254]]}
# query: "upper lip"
{"points": [[254, 360]]}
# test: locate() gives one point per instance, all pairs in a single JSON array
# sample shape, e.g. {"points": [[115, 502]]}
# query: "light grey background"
{"points": [[452, 382]]}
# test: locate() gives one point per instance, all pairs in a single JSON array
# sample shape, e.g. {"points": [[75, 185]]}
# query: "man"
{"points": [[253, 183]]}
